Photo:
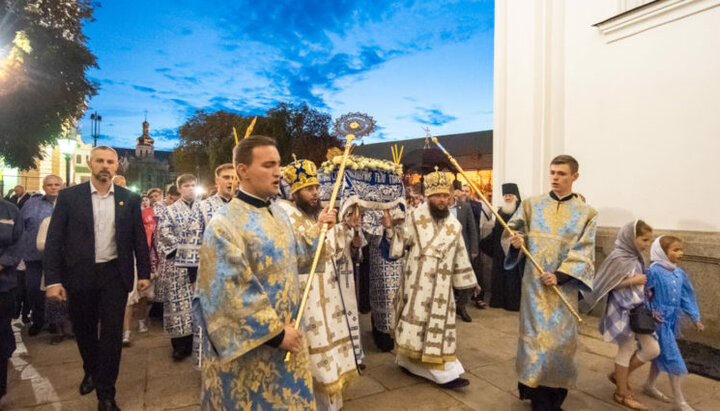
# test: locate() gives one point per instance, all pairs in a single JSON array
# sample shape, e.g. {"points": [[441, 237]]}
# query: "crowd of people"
{"points": [[230, 269]]}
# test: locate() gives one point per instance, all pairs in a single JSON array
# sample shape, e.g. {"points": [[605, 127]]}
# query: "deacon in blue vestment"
{"points": [[560, 232], [248, 295]]}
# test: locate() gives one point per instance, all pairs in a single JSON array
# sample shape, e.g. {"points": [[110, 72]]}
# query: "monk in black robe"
{"points": [[505, 284]]}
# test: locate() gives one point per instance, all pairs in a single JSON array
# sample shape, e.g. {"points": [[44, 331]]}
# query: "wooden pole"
{"points": [[497, 216], [323, 232]]}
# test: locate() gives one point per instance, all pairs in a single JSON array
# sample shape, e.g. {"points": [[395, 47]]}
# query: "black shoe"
{"points": [[53, 329], [383, 341], [480, 304], [462, 312], [107, 405], [87, 385], [35, 329], [25, 319], [180, 355], [456, 383]]}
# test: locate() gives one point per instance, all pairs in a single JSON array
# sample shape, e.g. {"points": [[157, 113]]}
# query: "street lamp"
{"points": [[67, 147], [96, 119]]}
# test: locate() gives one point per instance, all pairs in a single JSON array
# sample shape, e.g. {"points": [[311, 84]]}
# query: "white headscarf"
{"points": [[658, 256]]}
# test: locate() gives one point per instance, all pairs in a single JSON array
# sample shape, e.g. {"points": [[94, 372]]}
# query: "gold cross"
{"points": [[345, 350], [436, 330], [442, 301], [324, 361], [450, 339], [424, 221], [313, 325]]}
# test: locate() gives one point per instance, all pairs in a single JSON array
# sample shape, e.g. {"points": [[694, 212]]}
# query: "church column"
{"points": [[529, 93]]}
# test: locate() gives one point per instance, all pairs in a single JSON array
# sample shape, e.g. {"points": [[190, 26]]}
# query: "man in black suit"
{"points": [[96, 236]]}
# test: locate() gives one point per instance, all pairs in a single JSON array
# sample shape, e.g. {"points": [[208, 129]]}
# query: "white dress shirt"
{"points": [[104, 218]]}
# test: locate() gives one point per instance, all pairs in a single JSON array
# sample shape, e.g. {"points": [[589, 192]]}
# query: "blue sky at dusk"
{"points": [[409, 64]]}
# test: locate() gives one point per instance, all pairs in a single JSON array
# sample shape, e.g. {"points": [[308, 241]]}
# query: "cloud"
{"points": [[144, 89], [165, 137], [430, 116], [180, 102], [186, 32], [308, 48], [191, 79], [163, 70]]}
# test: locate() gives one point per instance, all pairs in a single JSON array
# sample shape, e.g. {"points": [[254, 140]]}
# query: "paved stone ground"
{"points": [[45, 377]]}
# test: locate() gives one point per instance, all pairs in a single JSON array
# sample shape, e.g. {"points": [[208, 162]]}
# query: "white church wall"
{"points": [[638, 110]]}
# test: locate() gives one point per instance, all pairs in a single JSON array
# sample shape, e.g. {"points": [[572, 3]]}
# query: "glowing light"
{"points": [[14, 58], [199, 191], [67, 145], [22, 42], [134, 189]]}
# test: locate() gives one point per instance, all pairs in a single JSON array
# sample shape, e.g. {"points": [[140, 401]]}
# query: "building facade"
{"points": [[53, 162], [629, 88], [144, 167]]}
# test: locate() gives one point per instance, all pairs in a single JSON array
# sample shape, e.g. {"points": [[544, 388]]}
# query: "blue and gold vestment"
{"points": [[248, 289], [561, 238]]}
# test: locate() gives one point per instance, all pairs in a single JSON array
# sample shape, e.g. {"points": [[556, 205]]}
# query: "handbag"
{"points": [[642, 320]]}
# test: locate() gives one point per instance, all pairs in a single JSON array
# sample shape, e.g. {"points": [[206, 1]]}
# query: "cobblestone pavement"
{"points": [[45, 377]]}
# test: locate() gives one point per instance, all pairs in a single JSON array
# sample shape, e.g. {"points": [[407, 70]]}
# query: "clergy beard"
{"points": [[509, 207], [437, 213], [308, 207]]}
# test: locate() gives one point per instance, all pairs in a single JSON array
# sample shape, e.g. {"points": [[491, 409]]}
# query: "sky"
{"points": [[408, 64]]}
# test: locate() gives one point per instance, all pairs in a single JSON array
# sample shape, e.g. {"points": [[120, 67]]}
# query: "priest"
{"points": [[436, 260], [331, 321]]}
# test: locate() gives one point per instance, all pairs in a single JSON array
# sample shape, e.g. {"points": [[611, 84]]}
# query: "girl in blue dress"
{"points": [[672, 294]]}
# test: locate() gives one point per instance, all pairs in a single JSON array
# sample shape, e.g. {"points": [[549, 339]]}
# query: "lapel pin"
{"points": [[122, 203]]}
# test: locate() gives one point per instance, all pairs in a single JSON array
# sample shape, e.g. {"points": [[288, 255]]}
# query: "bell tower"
{"points": [[145, 144]]}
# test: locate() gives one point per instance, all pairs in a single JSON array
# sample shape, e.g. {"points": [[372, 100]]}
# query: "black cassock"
{"points": [[506, 284]]}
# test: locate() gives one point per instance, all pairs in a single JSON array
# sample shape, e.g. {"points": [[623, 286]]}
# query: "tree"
{"points": [[206, 139], [302, 131], [43, 83]]}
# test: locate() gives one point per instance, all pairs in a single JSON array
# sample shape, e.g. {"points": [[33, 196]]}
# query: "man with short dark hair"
{"points": [[558, 230], [188, 255], [248, 294], [95, 239], [177, 307], [202, 211], [171, 195]]}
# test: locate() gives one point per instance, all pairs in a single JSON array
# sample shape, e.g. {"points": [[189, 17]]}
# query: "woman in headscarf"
{"points": [[621, 278]]}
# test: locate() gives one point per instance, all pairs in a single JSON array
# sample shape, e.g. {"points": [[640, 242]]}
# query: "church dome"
{"points": [[145, 138]]}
